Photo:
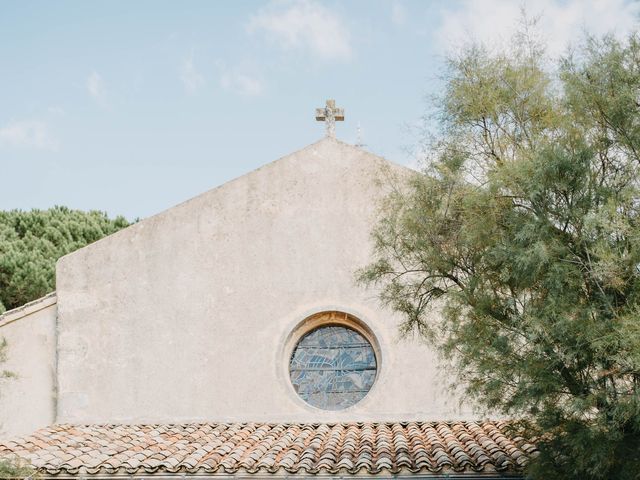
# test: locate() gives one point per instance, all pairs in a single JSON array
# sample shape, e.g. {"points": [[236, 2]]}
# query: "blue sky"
{"points": [[132, 107]]}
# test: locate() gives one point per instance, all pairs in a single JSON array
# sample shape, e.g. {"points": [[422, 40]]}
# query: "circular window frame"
{"points": [[330, 318]]}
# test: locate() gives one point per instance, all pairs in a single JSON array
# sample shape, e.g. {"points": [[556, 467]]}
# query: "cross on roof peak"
{"points": [[330, 114]]}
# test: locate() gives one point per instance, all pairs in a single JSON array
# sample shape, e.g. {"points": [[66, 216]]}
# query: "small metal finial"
{"points": [[359, 142]]}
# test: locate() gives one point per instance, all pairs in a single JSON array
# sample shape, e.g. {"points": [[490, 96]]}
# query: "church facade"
{"points": [[227, 336]]}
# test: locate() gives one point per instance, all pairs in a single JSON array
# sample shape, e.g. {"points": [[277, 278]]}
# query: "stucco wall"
{"points": [[187, 315], [27, 401]]}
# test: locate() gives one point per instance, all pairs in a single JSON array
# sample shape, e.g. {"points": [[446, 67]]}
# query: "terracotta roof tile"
{"points": [[369, 448]]}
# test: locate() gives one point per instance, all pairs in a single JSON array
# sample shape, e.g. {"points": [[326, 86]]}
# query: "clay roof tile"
{"points": [[353, 448]]}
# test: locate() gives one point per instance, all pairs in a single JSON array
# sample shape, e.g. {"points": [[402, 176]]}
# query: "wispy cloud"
{"points": [[29, 134], [560, 24], [56, 110], [97, 89], [304, 25], [191, 78], [398, 14], [241, 83]]}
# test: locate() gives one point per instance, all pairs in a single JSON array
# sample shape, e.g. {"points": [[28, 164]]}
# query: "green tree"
{"points": [[31, 242], [16, 468], [523, 233]]}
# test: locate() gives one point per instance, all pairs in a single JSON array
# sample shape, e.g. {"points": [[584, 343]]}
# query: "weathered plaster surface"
{"points": [[27, 401], [186, 315]]}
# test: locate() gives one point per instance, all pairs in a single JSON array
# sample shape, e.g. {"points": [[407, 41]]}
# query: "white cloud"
{"points": [[57, 110], [191, 78], [97, 89], [304, 25], [241, 83], [398, 14], [561, 22], [31, 134]]}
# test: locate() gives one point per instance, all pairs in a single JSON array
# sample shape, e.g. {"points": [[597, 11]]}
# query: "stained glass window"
{"points": [[333, 367]]}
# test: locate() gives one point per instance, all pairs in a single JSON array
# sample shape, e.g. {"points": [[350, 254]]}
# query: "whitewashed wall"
{"points": [[27, 402], [187, 315]]}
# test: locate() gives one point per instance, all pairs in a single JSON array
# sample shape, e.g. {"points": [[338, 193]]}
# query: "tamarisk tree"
{"points": [[523, 233]]}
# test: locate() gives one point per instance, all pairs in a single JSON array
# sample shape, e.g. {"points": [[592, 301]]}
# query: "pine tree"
{"points": [[31, 243]]}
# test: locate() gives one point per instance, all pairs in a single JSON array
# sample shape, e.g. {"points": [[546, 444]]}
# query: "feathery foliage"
{"points": [[14, 468], [31, 243], [523, 232]]}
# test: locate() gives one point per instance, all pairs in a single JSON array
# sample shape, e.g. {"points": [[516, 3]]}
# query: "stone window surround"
{"points": [[321, 318]]}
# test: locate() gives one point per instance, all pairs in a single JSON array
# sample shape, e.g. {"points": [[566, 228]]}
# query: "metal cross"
{"points": [[330, 115]]}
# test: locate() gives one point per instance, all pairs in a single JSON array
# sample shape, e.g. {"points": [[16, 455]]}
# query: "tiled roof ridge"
{"points": [[330, 423], [351, 448], [31, 307]]}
